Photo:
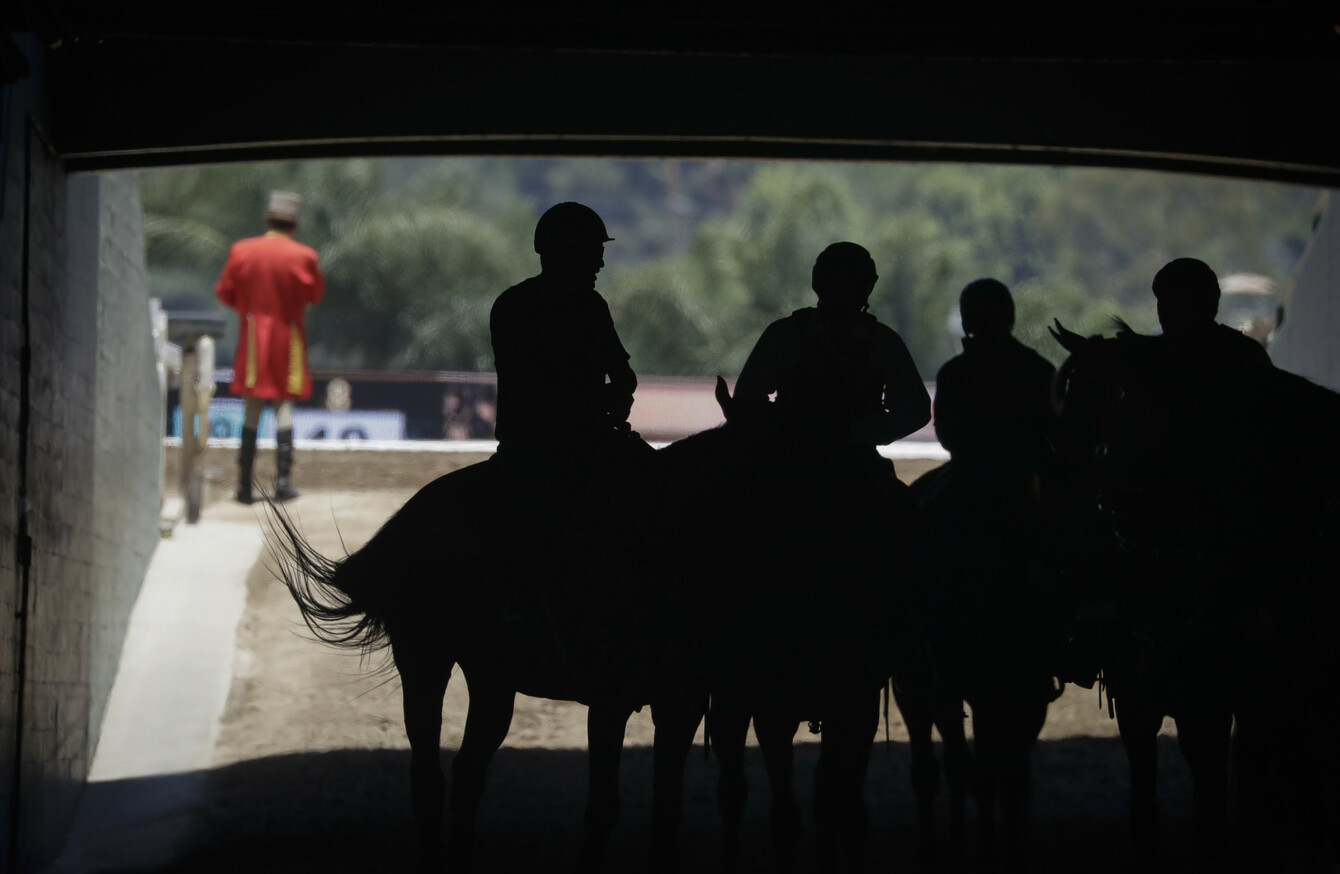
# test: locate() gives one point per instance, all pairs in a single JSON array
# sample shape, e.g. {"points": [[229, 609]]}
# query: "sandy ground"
{"points": [[311, 764]]}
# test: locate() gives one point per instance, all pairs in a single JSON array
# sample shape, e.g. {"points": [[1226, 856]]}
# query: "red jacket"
{"points": [[269, 280]]}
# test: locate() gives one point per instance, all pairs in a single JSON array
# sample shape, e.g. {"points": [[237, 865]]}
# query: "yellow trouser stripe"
{"points": [[253, 366], [295, 368]]}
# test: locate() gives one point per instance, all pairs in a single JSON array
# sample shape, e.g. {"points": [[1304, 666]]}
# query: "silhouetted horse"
{"points": [[1199, 506], [650, 607], [555, 607], [988, 636], [822, 549]]}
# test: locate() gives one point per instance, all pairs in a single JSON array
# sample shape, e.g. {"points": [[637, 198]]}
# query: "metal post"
{"points": [[196, 332], [186, 394]]}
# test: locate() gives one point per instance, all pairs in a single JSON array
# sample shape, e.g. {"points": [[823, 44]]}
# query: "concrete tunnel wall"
{"points": [[73, 291]]}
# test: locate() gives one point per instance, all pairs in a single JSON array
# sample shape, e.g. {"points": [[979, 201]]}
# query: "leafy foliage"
{"points": [[707, 253]]}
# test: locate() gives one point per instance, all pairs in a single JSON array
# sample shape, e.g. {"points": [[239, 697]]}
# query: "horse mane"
{"points": [[1132, 341], [687, 454]]}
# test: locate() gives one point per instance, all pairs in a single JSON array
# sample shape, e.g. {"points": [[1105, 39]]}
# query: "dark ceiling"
{"points": [[1222, 87]]}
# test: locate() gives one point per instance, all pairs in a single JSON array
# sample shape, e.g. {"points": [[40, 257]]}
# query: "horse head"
{"points": [[1087, 386], [1071, 341], [1153, 442]]}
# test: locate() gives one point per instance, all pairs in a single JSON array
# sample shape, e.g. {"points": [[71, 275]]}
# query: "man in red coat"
{"points": [[270, 280]]}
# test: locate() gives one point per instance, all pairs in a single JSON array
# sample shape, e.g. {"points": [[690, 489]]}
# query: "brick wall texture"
{"points": [[11, 342], [72, 258]]}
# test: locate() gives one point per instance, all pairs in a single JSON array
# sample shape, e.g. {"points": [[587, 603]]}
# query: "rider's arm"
{"points": [[763, 368], [907, 406], [622, 381], [947, 424]]}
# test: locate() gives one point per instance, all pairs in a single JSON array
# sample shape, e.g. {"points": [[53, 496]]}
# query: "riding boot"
{"points": [[246, 456], [283, 464]]}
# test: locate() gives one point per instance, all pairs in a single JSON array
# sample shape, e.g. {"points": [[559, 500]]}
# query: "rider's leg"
{"points": [[246, 455], [284, 490]]}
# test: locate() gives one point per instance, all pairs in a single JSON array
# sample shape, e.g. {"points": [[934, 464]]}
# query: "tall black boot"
{"points": [[246, 456], [284, 463]]}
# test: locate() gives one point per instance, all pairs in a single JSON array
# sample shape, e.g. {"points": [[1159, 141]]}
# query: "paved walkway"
{"points": [[171, 687]]}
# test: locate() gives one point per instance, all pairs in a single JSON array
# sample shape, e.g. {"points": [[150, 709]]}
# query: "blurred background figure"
{"points": [[482, 425], [455, 417], [269, 281], [339, 395]]}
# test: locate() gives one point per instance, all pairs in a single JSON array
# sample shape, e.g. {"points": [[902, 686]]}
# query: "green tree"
{"points": [[707, 253], [412, 289], [662, 320]]}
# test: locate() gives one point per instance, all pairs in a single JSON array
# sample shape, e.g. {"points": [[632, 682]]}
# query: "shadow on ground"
{"points": [[348, 811]]}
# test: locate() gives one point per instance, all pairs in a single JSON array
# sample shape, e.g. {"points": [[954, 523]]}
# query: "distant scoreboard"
{"points": [[453, 406], [226, 416]]}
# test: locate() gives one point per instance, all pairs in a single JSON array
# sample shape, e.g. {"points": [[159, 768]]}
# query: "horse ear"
{"points": [[724, 400], [1066, 337]]}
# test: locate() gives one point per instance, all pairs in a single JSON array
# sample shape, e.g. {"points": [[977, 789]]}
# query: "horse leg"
{"points": [[776, 735], [1138, 721], [839, 783], [914, 702], [730, 727], [676, 723], [1020, 722], [422, 689], [1204, 734], [605, 726], [958, 767], [987, 738], [486, 726], [423, 683], [925, 706]]}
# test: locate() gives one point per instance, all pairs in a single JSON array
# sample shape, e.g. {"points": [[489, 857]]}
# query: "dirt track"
{"points": [[311, 764]]}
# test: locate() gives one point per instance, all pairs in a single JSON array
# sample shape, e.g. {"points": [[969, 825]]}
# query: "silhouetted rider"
{"points": [[1206, 367], [565, 387], [993, 403], [844, 382], [1188, 301], [838, 523], [994, 413], [1204, 425]]}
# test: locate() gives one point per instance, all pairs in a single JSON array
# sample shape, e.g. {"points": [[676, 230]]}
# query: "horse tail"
{"points": [[330, 593]]}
